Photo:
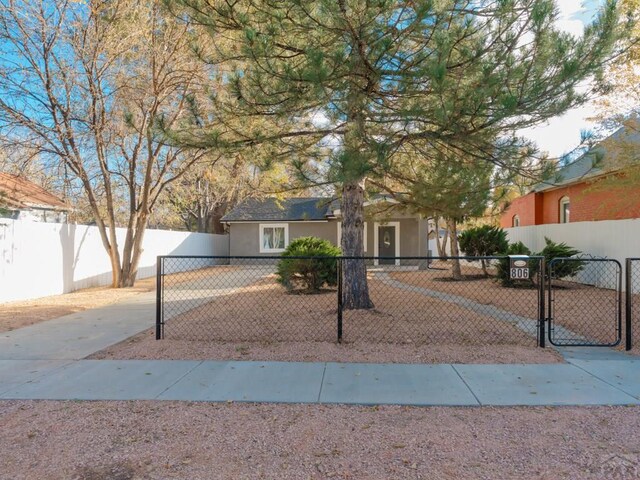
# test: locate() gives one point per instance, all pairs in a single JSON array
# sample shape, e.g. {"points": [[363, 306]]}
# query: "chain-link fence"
{"points": [[412, 300], [632, 314], [585, 301]]}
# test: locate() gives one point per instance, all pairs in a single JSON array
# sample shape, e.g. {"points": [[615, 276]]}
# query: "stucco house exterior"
{"points": [[579, 193], [264, 227], [21, 199]]}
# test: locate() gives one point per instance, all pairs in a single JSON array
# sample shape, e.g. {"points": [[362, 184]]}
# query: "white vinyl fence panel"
{"points": [[40, 259], [612, 239]]}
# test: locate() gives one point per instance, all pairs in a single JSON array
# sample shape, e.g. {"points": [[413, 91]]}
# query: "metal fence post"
{"points": [[159, 332], [339, 300], [628, 303], [542, 317]]}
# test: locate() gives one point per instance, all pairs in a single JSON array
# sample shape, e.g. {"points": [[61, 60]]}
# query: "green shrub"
{"points": [[549, 252], [561, 250], [308, 274], [483, 241]]}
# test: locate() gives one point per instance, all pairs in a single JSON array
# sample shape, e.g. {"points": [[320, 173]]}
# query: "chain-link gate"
{"points": [[632, 291], [584, 302]]}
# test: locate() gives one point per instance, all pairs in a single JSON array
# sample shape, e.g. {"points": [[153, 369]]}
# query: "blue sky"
{"points": [[562, 134]]}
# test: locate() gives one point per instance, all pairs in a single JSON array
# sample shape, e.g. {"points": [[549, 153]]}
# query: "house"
{"points": [[21, 199], [579, 192], [262, 227]]}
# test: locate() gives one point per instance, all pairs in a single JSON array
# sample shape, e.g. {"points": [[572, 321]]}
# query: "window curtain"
{"points": [[273, 238], [267, 238], [278, 238]]}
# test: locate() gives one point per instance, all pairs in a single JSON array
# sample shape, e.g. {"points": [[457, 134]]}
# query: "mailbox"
{"points": [[519, 267]]}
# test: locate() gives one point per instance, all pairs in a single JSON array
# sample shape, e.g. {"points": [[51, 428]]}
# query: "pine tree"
{"points": [[383, 73]]}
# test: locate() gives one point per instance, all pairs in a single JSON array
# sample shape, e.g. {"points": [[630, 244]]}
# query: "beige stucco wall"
{"points": [[245, 237], [409, 236]]}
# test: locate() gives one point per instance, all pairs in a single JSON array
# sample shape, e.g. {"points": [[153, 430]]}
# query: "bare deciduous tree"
{"points": [[85, 84]]}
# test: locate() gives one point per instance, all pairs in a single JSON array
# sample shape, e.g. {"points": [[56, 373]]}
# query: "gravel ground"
{"points": [[583, 309], [261, 321], [153, 440], [145, 346], [265, 312]]}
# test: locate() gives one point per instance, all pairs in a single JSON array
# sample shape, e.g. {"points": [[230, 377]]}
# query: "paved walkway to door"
{"points": [[46, 361]]}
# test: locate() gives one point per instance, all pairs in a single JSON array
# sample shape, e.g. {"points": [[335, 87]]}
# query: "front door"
{"points": [[387, 244]]}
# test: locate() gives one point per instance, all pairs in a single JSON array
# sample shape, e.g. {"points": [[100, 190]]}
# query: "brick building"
{"points": [[593, 187]]}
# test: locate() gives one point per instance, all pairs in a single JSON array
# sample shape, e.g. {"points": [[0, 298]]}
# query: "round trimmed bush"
{"points": [[308, 275]]}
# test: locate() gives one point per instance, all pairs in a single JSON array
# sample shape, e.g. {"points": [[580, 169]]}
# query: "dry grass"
{"points": [[154, 440]]}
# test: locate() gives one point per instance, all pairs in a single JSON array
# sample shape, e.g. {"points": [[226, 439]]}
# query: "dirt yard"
{"points": [[264, 311], [261, 321], [153, 440], [587, 311], [145, 346]]}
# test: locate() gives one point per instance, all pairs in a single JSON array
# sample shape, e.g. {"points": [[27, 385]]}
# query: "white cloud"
{"points": [[570, 16], [562, 134]]}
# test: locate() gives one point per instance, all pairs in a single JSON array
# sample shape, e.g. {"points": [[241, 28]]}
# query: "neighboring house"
{"points": [[21, 199], [578, 194], [265, 227]]}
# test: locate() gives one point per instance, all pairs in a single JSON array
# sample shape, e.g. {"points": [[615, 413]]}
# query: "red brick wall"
{"points": [[526, 207], [593, 201], [589, 201]]}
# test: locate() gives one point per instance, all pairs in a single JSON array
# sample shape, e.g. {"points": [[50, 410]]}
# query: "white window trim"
{"points": [[364, 235], [565, 201], [261, 228], [376, 225]]}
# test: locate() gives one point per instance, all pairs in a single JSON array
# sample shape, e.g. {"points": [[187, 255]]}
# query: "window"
{"points": [[516, 221], [565, 210], [364, 239], [274, 237]]}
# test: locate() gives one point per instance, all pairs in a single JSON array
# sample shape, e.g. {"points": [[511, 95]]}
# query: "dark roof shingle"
{"points": [[286, 210], [600, 159]]}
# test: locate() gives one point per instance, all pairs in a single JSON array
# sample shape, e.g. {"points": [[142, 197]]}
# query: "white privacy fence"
{"points": [[40, 259], [613, 239]]}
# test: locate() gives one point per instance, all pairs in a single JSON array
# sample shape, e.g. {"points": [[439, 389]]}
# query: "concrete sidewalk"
{"points": [[581, 382], [81, 334], [46, 361], [78, 335]]}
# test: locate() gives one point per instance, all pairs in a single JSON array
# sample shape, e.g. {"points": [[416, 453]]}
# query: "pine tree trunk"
{"points": [[355, 290], [440, 244], [455, 251]]}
